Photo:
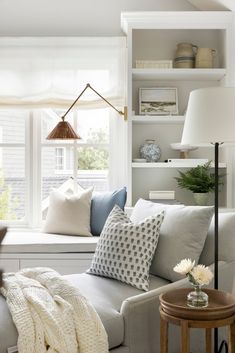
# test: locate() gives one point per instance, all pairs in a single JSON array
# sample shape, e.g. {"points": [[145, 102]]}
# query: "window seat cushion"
{"points": [[36, 242]]}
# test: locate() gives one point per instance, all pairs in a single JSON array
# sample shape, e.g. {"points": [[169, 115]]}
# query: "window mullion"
{"points": [[75, 153], [28, 169], [36, 168]]}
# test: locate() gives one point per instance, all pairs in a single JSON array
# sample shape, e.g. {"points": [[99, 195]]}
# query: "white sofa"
{"points": [[130, 316]]}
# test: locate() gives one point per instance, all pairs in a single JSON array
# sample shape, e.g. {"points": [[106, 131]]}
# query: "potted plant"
{"points": [[200, 181]]}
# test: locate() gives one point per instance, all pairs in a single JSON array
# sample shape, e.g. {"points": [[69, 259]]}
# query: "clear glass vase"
{"points": [[197, 298]]}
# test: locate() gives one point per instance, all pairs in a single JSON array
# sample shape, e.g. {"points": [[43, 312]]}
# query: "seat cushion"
{"points": [[8, 332], [107, 295]]}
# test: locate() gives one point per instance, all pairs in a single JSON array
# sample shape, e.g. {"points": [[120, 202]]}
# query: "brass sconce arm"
{"points": [[89, 86]]}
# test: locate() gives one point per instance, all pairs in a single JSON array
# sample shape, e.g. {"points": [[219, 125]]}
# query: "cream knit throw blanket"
{"points": [[51, 315]]}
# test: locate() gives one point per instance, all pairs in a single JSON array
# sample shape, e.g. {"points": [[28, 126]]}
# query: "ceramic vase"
{"points": [[204, 58], [185, 55], [201, 198], [150, 151]]}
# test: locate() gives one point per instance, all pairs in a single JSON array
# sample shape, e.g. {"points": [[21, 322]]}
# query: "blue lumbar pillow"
{"points": [[101, 206]]}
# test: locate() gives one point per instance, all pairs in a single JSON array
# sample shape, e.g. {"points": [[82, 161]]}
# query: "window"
{"points": [[60, 158], [39, 79], [85, 161], [13, 174]]}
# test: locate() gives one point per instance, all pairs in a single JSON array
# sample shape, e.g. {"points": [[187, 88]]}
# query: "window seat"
{"points": [[37, 242], [64, 253]]}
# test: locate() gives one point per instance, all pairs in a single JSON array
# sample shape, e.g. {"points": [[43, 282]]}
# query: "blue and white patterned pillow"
{"points": [[125, 250]]}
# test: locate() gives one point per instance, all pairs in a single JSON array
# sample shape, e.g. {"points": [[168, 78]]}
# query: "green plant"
{"points": [[91, 157], [198, 179], [8, 204]]}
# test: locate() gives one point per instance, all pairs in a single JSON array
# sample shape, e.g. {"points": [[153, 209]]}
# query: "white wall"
{"points": [[74, 17]]}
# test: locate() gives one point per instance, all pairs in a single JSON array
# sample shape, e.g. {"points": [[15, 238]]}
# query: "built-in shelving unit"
{"points": [[154, 36]]}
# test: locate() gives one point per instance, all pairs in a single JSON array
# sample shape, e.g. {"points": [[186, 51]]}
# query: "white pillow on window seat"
{"points": [[69, 214]]}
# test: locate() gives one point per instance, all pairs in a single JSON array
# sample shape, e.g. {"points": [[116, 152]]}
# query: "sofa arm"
{"points": [[142, 319]]}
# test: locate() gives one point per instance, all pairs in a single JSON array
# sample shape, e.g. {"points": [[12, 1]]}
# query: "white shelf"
{"points": [[179, 74], [158, 119], [170, 165]]}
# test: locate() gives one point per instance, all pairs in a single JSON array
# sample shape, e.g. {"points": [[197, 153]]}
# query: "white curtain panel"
{"points": [[46, 72]]}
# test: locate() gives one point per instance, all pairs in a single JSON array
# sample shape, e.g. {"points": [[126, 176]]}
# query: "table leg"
{"points": [[232, 338], [163, 335], [184, 336], [208, 341]]}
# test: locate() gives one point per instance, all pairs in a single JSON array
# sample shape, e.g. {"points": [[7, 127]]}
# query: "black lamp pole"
{"points": [[216, 233], [223, 344]]}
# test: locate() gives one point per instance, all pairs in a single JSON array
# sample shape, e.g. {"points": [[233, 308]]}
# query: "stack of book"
{"points": [[166, 197]]}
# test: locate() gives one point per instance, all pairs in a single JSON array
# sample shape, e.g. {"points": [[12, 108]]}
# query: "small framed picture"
{"points": [[158, 101]]}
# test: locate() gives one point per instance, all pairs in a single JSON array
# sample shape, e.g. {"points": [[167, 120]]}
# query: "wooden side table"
{"points": [[220, 312]]}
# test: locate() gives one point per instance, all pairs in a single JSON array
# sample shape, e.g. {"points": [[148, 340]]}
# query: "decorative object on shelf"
{"points": [[161, 194], [189, 162], [212, 123], [184, 149], [185, 56], [205, 58], [154, 64], [198, 180], [139, 160], [158, 101], [150, 151], [198, 276], [64, 130], [164, 197]]}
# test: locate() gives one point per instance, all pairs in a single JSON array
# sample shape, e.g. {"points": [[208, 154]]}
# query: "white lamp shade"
{"points": [[210, 116]]}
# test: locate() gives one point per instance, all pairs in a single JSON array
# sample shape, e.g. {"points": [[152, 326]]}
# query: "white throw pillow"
{"points": [[69, 214], [125, 250], [182, 235]]}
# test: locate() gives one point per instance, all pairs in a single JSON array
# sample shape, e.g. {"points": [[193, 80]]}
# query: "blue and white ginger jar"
{"points": [[150, 151]]}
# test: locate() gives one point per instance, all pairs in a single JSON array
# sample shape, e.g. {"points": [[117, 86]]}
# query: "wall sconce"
{"points": [[64, 130]]}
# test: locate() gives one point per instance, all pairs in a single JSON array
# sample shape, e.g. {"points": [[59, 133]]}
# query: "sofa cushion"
{"points": [[8, 332], [107, 296], [102, 204], [125, 250], [69, 214], [182, 235], [226, 240]]}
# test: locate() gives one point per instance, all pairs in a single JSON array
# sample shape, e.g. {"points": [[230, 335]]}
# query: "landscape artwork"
{"points": [[158, 101]]}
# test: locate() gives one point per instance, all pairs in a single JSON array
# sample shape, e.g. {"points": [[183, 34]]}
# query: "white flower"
{"points": [[201, 274], [184, 267]]}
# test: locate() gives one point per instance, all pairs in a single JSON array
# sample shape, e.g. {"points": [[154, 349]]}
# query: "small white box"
{"points": [[188, 161], [162, 195]]}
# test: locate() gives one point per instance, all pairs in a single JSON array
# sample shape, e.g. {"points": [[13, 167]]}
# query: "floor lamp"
{"points": [[210, 119]]}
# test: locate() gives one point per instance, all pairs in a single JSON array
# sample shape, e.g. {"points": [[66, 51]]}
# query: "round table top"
{"points": [[221, 305]]}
